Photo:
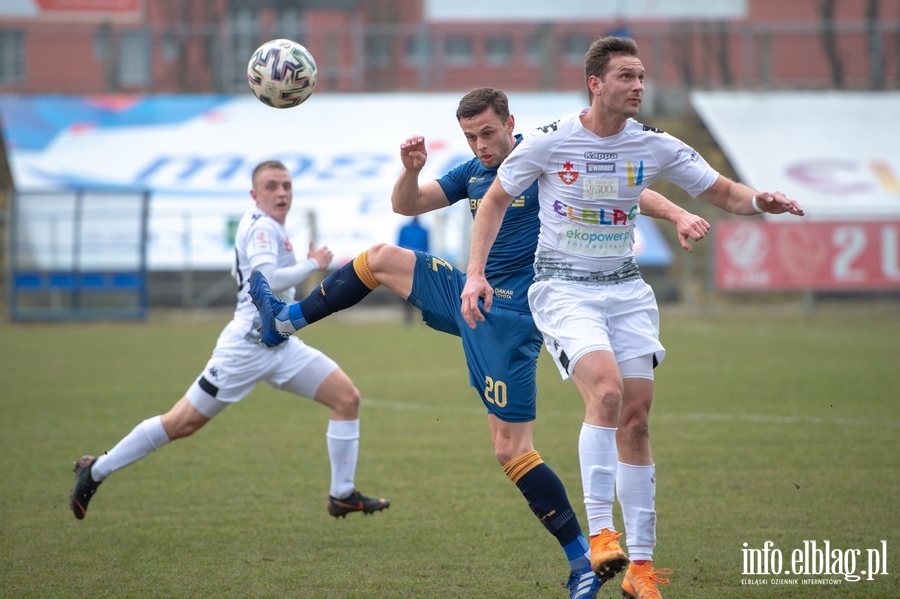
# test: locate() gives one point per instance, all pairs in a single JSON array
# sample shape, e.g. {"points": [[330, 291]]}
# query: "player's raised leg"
{"points": [[348, 285]]}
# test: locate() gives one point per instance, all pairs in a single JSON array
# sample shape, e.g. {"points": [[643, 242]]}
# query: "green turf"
{"points": [[745, 413]]}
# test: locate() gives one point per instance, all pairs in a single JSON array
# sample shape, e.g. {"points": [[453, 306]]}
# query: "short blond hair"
{"points": [[265, 165]]}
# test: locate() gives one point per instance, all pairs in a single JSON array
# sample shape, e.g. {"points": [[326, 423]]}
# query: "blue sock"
{"points": [[294, 314], [577, 553]]}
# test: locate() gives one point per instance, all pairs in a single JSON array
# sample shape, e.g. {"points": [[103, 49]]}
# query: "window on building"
{"points": [[534, 50], [418, 50], [134, 58], [12, 56], [378, 50], [101, 41], [575, 47], [498, 51], [169, 46], [458, 50], [290, 24]]}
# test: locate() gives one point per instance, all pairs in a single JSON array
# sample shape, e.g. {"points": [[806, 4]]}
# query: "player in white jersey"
{"points": [[240, 361], [598, 317]]}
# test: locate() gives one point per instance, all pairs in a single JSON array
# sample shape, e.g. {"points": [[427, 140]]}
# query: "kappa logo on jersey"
{"points": [[635, 173], [547, 128], [568, 172], [601, 156], [600, 188], [653, 129], [603, 216]]}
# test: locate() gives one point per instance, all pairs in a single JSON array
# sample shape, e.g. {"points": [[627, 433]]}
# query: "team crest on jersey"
{"points": [[568, 172], [287, 245]]}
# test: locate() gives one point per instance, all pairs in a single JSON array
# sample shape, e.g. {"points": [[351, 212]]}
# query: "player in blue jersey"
{"points": [[502, 353]]}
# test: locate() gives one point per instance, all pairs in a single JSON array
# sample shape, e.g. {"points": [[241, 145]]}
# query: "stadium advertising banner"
{"points": [[195, 155], [584, 10], [837, 153], [759, 255]]}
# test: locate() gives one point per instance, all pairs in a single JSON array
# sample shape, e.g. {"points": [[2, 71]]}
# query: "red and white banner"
{"points": [[760, 255]]}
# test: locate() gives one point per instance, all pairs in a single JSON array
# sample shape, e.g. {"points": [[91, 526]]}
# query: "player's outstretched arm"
{"points": [[282, 278], [408, 197], [487, 222], [689, 225], [738, 198]]}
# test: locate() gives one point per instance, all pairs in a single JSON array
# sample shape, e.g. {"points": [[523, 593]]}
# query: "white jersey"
{"points": [[240, 360], [260, 240], [590, 188]]}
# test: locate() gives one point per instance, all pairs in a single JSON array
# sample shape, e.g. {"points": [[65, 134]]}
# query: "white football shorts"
{"points": [[238, 364], [579, 318]]}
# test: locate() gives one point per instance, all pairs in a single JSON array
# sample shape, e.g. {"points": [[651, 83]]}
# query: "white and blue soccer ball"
{"points": [[282, 73]]}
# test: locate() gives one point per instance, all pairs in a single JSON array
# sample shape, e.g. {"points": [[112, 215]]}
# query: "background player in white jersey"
{"points": [[240, 361], [598, 317]]}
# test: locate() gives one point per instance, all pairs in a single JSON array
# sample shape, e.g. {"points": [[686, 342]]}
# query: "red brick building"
{"points": [[194, 46]]}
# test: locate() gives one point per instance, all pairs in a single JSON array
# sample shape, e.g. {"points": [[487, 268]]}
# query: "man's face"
{"points": [[273, 193], [621, 90], [489, 136]]}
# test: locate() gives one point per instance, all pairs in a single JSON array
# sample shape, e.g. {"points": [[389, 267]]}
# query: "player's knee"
{"points": [[379, 257], [346, 403], [508, 449], [634, 430], [608, 398], [504, 454]]}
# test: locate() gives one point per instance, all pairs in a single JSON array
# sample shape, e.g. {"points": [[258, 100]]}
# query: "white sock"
{"points": [[343, 449], [636, 489], [146, 437], [598, 456]]}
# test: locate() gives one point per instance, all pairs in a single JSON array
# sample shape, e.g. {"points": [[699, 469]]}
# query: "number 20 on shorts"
{"points": [[495, 392]]}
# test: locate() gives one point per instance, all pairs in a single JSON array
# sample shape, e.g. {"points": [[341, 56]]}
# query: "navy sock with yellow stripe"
{"points": [[343, 288], [546, 496]]}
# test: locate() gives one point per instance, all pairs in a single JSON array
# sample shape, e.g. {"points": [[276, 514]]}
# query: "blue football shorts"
{"points": [[501, 352]]}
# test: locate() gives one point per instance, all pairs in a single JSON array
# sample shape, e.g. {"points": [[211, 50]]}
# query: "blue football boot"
{"points": [[275, 326], [583, 584]]}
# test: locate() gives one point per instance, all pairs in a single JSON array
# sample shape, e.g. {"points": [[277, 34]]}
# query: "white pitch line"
{"points": [[689, 417]]}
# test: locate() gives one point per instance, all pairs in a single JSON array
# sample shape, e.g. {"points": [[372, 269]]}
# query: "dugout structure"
{"points": [[78, 255]]}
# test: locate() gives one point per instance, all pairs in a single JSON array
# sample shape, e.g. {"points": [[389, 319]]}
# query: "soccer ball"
{"points": [[282, 73]]}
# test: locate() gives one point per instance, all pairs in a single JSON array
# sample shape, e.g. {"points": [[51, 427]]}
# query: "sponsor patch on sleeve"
{"points": [[261, 242]]}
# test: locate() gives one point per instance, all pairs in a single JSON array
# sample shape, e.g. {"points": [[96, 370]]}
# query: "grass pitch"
{"points": [[784, 430]]}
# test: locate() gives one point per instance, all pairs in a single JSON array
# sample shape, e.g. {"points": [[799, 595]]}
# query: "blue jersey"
{"points": [[510, 264]]}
